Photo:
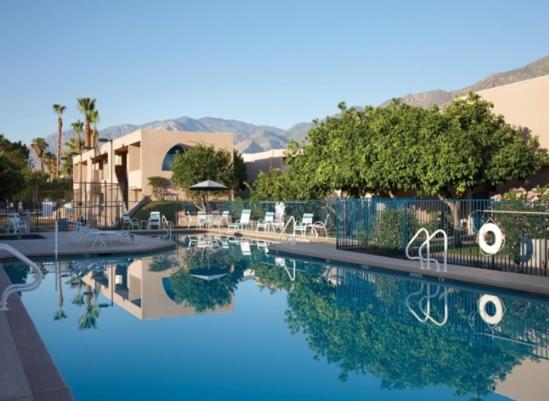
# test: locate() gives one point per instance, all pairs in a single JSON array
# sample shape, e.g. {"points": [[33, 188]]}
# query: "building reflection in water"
{"points": [[141, 286], [408, 331]]}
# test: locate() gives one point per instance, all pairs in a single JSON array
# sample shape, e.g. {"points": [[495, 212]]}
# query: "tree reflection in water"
{"points": [[360, 322], [208, 277]]}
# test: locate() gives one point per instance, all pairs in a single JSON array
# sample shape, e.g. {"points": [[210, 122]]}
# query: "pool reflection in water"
{"points": [[221, 319]]}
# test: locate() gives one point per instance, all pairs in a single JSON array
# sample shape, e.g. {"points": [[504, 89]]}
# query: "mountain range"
{"points": [[250, 138]]}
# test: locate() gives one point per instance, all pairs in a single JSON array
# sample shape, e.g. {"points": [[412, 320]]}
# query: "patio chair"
{"points": [[266, 223], [154, 221], [244, 220], [129, 222], [321, 225], [224, 219], [305, 224], [17, 223], [201, 219]]}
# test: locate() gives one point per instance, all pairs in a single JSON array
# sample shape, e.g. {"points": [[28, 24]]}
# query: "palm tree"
{"points": [[77, 128], [39, 145], [86, 106], [50, 161], [94, 119], [58, 109]]}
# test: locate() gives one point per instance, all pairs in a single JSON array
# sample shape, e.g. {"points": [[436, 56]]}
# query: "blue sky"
{"points": [[273, 63]]}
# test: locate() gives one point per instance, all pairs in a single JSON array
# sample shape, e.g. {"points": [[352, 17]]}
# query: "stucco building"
{"points": [[263, 161], [116, 173], [525, 104]]}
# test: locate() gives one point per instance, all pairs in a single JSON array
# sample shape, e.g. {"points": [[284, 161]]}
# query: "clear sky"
{"points": [[265, 62]]}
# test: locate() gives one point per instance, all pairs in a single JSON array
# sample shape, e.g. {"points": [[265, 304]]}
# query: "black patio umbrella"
{"points": [[207, 186]]}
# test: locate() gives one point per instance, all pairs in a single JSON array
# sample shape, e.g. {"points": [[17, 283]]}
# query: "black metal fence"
{"points": [[385, 226], [99, 204]]}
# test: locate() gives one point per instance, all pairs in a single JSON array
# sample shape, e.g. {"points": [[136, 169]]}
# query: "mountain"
{"points": [[250, 138], [439, 97]]}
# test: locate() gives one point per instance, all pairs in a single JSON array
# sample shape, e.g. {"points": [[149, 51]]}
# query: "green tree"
{"points": [[240, 175], [40, 146], [50, 162], [159, 187], [86, 106], [58, 109], [14, 166], [94, 120], [202, 163], [430, 152], [77, 128], [73, 147]]}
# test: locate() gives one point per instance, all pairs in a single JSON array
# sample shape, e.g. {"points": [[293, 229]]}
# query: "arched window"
{"points": [[168, 159]]}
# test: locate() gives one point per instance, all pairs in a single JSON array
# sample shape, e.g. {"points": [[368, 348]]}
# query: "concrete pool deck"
{"points": [[27, 371], [538, 285], [67, 247]]}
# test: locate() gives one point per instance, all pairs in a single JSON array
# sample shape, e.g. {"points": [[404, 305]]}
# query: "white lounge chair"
{"points": [[17, 223], [244, 220], [267, 223], [154, 221], [305, 224], [129, 222]]}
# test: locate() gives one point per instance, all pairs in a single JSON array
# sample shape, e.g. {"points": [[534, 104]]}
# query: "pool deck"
{"points": [[27, 371], [538, 285], [67, 246]]}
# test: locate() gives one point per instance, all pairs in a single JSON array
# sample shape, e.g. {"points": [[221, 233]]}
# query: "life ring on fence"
{"points": [[491, 319], [498, 238]]}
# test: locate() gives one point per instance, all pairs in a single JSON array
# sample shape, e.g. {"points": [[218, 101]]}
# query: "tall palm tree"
{"points": [[73, 147], [50, 162], [77, 128], [58, 109], [39, 145], [86, 105], [94, 119]]}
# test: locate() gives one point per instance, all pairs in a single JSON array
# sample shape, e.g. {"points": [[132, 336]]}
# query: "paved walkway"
{"points": [[67, 246], [27, 371], [513, 281]]}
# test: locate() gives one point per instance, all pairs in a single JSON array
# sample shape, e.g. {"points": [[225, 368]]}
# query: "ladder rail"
{"points": [[292, 236], [407, 249], [14, 288], [427, 243]]}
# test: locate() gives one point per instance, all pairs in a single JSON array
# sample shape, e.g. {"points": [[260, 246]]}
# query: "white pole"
{"points": [[56, 239]]}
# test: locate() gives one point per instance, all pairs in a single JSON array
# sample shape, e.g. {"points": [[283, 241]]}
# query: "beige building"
{"points": [[525, 104], [263, 161], [117, 172]]}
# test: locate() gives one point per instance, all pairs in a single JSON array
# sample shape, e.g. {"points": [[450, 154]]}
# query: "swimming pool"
{"points": [[223, 319]]}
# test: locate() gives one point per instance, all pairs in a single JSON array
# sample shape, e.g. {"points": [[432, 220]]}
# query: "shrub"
{"points": [[159, 186]]}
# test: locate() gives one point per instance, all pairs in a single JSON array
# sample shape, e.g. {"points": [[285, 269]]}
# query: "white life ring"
{"points": [[498, 238], [494, 318]]}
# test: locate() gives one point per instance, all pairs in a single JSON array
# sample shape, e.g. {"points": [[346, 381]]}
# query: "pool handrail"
{"points": [[14, 288]]}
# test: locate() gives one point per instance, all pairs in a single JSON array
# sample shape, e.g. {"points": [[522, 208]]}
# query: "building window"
{"points": [[170, 156]]}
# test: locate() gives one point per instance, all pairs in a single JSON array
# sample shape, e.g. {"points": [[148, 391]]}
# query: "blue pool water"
{"points": [[220, 320]]}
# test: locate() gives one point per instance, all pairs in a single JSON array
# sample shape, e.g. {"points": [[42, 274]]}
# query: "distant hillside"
{"points": [[439, 97], [250, 138]]}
